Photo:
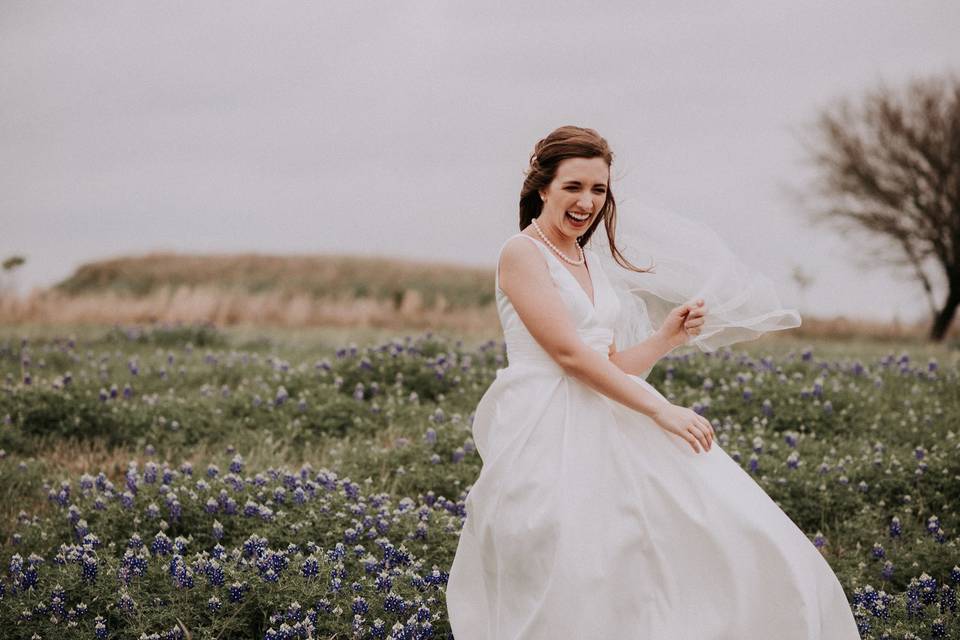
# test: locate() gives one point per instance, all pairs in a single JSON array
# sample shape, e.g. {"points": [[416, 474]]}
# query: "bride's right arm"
{"points": [[525, 279]]}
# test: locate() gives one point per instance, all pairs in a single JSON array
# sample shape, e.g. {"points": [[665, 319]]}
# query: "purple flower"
{"points": [[311, 568], [100, 628], [360, 605], [236, 590], [819, 540], [161, 545], [887, 571]]}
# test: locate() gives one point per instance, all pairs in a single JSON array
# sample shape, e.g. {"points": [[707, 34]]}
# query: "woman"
{"points": [[602, 510]]}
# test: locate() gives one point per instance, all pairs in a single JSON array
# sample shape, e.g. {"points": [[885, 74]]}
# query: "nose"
{"points": [[586, 204]]}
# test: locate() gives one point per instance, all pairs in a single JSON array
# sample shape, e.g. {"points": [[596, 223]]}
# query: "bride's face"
{"points": [[576, 195]]}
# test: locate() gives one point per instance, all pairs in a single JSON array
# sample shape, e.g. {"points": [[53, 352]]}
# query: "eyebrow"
{"points": [[601, 184]]}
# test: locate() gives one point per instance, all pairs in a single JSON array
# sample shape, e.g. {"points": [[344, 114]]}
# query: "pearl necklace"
{"points": [[557, 251]]}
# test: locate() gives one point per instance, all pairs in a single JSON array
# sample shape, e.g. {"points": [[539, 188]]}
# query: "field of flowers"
{"points": [[175, 482]]}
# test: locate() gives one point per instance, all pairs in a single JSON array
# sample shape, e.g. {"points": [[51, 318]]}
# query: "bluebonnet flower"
{"points": [[134, 562], [86, 482], [393, 603], [948, 599], [311, 568], [100, 627], [887, 571], [819, 540], [236, 590], [360, 605], [928, 588], [793, 460], [895, 528], [161, 544], [271, 576], [214, 573], [938, 629], [878, 551], [88, 568], [423, 613], [126, 602]]}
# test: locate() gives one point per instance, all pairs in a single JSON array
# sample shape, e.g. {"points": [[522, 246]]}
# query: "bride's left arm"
{"points": [[640, 358], [680, 324]]}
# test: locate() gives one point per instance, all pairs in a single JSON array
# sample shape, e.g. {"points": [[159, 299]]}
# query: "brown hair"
{"points": [[570, 142]]}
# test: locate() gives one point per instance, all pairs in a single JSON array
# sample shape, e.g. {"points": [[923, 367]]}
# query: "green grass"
{"points": [[373, 428]]}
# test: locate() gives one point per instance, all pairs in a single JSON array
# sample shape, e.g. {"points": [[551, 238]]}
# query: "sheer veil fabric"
{"points": [[690, 261]]}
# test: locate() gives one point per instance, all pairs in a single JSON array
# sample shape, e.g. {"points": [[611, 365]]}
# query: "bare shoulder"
{"points": [[520, 249], [521, 260]]}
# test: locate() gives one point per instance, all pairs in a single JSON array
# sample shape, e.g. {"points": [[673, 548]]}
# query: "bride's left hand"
{"points": [[683, 322]]}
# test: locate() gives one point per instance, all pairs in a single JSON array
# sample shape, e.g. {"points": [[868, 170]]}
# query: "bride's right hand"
{"points": [[687, 424]]}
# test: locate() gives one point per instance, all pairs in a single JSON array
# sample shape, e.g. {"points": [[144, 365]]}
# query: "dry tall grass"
{"points": [[312, 291], [225, 308], [274, 309]]}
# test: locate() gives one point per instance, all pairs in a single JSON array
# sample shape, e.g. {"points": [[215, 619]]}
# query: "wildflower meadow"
{"points": [[173, 482]]}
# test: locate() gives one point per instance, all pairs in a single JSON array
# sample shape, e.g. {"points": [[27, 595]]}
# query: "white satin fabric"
{"points": [[590, 522]]}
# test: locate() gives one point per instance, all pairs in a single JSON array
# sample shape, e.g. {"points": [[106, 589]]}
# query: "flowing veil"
{"points": [[690, 261]]}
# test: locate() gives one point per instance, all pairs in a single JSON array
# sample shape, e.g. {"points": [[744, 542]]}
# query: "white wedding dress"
{"points": [[590, 522]]}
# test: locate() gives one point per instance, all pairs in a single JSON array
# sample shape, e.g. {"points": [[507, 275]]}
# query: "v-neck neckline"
{"points": [[593, 283]]}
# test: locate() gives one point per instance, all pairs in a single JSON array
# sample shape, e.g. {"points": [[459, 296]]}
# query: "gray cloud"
{"points": [[404, 128]]}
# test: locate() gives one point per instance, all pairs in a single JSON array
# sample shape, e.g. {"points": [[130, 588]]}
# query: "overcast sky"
{"points": [[403, 128]]}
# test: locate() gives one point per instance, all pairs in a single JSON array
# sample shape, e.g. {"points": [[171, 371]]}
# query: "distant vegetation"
{"points": [[314, 291], [321, 277], [292, 291]]}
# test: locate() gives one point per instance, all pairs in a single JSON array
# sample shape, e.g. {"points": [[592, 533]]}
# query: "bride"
{"points": [[602, 510]]}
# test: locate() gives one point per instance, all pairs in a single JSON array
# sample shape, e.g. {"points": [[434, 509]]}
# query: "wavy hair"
{"points": [[570, 142]]}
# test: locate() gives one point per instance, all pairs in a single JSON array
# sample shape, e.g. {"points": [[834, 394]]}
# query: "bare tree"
{"points": [[889, 168], [10, 265]]}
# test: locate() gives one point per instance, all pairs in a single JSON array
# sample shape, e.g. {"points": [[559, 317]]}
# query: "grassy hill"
{"points": [[320, 277]]}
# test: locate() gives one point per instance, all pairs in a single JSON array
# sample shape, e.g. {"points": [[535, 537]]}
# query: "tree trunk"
{"points": [[943, 318]]}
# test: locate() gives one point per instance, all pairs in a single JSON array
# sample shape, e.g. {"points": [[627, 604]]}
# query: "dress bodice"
{"points": [[594, 321]]}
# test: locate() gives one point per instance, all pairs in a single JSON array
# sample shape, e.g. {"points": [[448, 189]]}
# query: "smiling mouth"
{"points": [[579, 217]]}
